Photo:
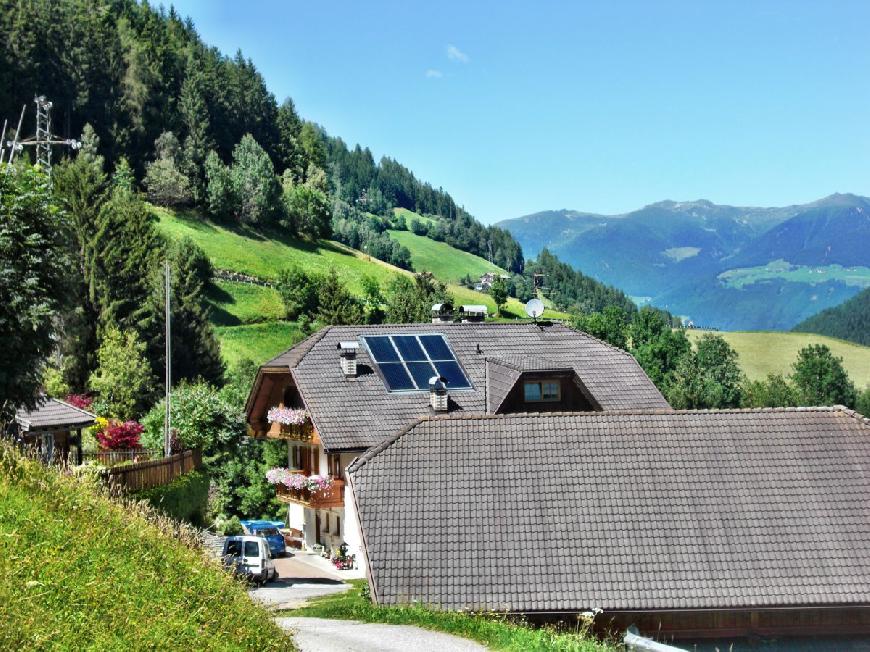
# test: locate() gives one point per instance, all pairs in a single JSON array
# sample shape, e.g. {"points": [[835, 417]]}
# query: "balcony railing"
{"points": [[297, 432], [332, 496]]}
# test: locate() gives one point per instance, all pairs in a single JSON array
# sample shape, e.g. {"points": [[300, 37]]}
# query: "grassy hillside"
{"points": [[763, 352], [445, 262], [81, 571], [248, 317]]}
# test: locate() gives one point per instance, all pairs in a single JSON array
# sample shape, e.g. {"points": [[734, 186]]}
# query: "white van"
{"points": [[250, 556]]}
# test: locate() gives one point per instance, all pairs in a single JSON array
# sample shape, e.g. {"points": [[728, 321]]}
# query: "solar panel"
{"points": [[382, 349], [421, 373], [453, 374], [409, 348], [436, 347], [407, 362], [396, 377]]}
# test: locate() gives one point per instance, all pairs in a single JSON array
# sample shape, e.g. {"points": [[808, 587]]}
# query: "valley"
{"points": [[728, 267]]}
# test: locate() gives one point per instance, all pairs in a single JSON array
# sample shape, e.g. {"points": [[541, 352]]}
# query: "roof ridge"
{"points": [[361, 461], [70, 405], [476, 416]]}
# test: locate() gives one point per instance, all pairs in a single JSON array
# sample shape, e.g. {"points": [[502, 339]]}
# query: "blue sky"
{"points": [[515, 107]]}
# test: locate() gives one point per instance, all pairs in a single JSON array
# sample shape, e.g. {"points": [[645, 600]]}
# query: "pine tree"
{"points": [[336, 304], [33, 288], [195, 118], [195, 349], [123, 379], [289, 149], [255, 185]]}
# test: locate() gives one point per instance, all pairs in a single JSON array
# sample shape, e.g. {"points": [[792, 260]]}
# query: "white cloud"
{"points": [[455, 54], [432, 73]]}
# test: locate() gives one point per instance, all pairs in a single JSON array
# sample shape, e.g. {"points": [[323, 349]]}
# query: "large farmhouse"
{"points": [[359, 385], [533, 469]]}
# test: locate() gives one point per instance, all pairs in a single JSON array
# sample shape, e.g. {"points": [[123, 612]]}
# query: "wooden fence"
{"points": [[153, 473], [112, 457]]}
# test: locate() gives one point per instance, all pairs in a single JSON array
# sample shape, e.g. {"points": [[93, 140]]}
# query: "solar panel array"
{"points": [[407, 362]]}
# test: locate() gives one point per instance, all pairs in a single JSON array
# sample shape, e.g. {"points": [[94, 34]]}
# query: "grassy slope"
{"points": [[245, 315], [764, 352], [445, 262], [495, 633], [81, 571]]}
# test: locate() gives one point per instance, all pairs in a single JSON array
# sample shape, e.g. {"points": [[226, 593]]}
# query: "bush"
{"points": [[184, 499], [118, 435]]}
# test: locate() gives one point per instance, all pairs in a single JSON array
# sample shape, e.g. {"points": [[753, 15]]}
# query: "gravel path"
{"points": [[325, 635]]}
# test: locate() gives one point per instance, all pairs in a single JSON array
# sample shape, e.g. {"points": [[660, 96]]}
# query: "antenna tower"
{"points": [[42, 141]]}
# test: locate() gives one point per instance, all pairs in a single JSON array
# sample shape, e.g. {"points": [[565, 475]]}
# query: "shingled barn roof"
{"points": [[356, 413], [641, 510]]}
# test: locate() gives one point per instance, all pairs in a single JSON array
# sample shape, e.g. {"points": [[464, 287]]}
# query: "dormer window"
{"points": [[542, 391]]}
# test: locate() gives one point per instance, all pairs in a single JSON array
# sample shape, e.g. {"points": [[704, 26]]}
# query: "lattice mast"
{"points": [[42, 141]]}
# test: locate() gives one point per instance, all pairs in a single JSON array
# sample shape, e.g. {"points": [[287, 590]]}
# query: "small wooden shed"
{"points": [[55, 427]]}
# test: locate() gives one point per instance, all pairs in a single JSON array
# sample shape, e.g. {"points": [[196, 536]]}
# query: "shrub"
{"points": [[184, 499], [119, 435]]}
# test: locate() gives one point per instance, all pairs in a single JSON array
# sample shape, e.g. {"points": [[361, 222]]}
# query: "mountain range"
{"points": [[728, 267]]}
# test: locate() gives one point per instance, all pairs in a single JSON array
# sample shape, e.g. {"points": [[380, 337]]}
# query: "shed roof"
{"points": [[53, 414], [356, 413], [644, 510]]}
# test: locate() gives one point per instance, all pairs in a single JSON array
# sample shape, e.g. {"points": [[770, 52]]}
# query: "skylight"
{"points": [[407, 362]]}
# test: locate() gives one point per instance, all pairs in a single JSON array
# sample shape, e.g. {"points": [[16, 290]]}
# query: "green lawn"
{"points": [[80, 571], [445, 262], [763, 352], [257, 342], [494, 632]]}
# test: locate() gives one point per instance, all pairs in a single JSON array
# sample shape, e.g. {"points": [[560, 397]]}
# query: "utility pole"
{"points": [[167, 419]]}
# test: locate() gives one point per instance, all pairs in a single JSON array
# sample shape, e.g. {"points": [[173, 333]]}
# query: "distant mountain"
{"points": [[723, 266], [848, 321]]}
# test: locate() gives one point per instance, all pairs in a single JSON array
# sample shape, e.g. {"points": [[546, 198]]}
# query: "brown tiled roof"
{"points": [[52, 413], [621, 510], [356, 413]]}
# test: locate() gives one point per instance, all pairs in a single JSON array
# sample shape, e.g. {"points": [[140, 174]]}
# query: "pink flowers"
{"points": [[297, 481], [287, 416]]}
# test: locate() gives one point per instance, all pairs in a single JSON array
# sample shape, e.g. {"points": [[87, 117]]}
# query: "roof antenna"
{"points": [[534, 309]]}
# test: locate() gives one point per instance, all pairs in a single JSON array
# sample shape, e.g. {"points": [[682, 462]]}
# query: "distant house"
{"points": [[688, 524], [359, 385], [473, 312], [55, 428], [486, 280]]}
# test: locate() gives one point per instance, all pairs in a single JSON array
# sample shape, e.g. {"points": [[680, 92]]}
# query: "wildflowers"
{"points": [[288, 416]]}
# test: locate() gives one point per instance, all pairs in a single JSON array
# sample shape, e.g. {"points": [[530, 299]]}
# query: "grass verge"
{"points": [[257, 342], [81, 570], [495, 632]]}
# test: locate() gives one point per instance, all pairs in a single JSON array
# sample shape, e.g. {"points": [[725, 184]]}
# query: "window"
{"points": [[541, 391], [252, 549], [234, 548]]}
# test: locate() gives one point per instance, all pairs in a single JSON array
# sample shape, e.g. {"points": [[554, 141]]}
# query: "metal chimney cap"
{"points": [[437, 384]]}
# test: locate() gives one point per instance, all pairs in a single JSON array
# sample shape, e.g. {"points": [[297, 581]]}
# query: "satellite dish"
{"points": [[534, 308]]}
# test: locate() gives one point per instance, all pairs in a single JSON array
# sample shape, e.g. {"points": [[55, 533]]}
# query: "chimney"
{"points": [[438, 394], [442, 313], [347, 353]]}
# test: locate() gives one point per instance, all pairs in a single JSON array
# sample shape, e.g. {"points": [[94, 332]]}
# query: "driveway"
{"points": [[325, 635], [300, 577]]}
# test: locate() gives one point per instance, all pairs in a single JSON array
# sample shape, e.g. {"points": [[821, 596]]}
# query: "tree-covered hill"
{"points": [[135, 73], [848, 321]]}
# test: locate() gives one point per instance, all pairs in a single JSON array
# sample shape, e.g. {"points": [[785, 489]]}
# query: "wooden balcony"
{"points": [[302, 433], [324, 499]]}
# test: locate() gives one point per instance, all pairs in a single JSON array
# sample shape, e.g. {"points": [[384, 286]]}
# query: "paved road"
{"points": [[324, 635]]}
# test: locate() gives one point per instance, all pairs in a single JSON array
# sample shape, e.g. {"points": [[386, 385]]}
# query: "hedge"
{"points": [[185, 498]]}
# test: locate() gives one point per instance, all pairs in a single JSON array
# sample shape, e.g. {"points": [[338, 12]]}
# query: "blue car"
{"points": [[269, 531]]}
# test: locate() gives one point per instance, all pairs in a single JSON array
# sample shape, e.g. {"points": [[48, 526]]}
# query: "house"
{"points": [[55, 427], [686, 523], [486, 280], [473, 312], [346, 389], [442, 313]]}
